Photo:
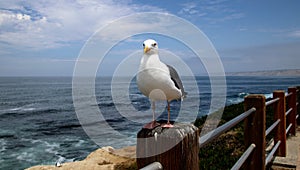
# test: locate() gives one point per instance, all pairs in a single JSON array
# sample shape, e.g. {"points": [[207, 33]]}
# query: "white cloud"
{"points": [[189, 8], [213, 11], [50, 24], [23, 17], [281, 32], [295, 34]]}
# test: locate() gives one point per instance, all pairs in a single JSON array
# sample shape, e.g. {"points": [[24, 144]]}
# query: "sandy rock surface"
{"points": [[103, 158]]}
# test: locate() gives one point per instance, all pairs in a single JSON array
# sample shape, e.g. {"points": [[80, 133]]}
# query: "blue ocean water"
{"points": [[39, 125]]}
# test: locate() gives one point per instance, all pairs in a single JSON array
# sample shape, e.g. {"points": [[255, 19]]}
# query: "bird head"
{"points": [[150, 47]]}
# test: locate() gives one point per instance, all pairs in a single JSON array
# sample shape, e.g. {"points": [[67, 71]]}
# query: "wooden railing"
{"points": [[255, 132]]}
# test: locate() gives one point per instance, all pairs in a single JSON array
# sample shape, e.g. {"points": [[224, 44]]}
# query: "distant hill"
{"points": [[294, 72]]}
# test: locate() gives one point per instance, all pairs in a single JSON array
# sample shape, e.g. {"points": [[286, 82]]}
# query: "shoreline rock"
{"points": [[103, 158]]}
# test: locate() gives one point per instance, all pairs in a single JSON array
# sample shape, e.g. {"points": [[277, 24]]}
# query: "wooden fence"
{"points": [[255, 132]]}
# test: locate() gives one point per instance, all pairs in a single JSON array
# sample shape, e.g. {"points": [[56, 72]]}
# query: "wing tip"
{"points": [[184, 95]]}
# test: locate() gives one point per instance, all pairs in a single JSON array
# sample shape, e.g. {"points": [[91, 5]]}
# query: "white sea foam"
{"points": [[234, 101], [25, 108], [15, 109], [29, 109], [36, 141], [2, 144], [33, 141], [22, 109], [79, 143], [52, 148], [241, 98], [25, 156], [270, 95]]}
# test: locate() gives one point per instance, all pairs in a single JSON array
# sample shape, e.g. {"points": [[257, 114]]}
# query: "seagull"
{"points": [[158, 81]]}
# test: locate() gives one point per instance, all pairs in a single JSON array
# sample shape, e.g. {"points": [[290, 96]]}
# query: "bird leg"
{"points": [[168, 125], [153, 110], [153, 124]]}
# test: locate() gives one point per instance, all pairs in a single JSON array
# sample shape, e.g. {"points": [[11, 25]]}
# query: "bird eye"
{"points": [[154, 44], [143, 45]]}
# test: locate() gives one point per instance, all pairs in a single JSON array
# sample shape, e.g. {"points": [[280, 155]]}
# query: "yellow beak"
{"points": [[146, 49]]}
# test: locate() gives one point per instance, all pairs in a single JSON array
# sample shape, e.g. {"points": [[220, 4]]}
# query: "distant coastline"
{"points": [[282, 72], [287, 72]]}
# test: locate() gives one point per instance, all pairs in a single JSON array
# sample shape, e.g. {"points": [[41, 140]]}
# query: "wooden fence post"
{"points": [[292, 103], [297, 103], [279, 113], [175, 148], [255, 131]]}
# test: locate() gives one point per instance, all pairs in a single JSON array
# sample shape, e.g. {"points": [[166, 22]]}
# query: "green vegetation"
{"points": [[224, 151]]}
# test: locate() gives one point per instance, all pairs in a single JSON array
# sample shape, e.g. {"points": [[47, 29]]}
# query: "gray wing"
{"points": [[176, 79]]}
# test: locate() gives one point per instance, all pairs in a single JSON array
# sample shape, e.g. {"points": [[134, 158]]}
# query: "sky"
{"points": [[45, 38]]}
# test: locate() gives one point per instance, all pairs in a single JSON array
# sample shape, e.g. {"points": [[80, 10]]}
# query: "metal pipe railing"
{"points": [[288, 128], [153, 166], [272, 101], [288, 95], [272, 127], [288, 112], [220, 130], [244, 157], [271, 154]]}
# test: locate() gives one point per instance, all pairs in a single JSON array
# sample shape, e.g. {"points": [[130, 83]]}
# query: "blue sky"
{"points": [[44, 38]]}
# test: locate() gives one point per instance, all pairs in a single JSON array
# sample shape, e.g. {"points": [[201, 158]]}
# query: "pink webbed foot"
{"points": [[151, 125], [168, 125]]}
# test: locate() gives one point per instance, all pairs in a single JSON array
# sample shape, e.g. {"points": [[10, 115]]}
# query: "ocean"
{"points": [[39, 125]]}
